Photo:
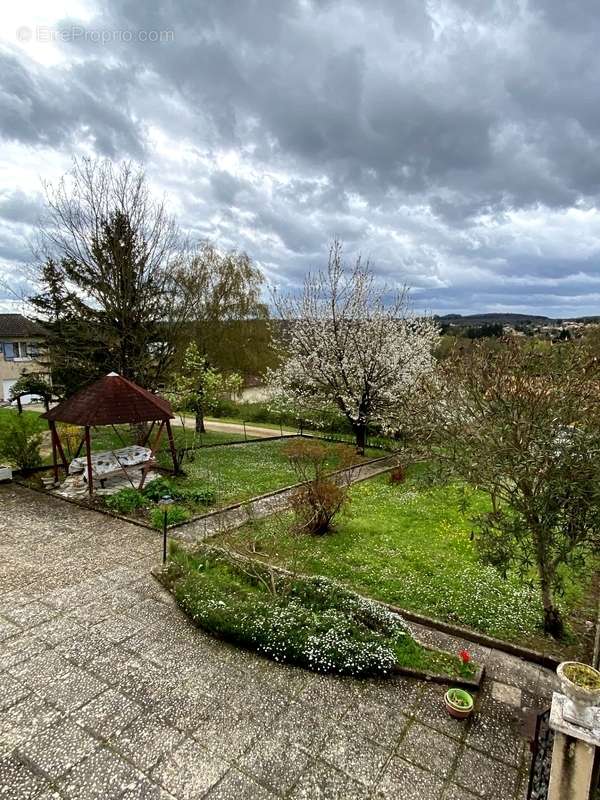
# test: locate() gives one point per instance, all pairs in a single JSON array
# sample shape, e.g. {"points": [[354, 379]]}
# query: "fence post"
{"points": [[245, 435]]}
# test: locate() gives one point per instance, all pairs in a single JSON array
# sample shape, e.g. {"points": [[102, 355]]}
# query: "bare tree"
{"points": [[107, 277], [351, 346]]}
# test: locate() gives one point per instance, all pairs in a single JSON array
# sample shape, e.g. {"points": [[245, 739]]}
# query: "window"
{"points": [[14, 350], [9, 350]]}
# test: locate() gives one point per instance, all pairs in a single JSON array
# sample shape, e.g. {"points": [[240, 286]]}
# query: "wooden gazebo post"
{"points": [[52, 427], [172, 446], [88, 455]]}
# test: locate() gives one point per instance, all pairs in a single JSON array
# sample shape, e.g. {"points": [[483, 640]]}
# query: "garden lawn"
{"points": [[6, 413], [239, 472], [410, 545]]}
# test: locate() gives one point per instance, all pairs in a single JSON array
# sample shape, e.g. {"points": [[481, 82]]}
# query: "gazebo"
{"points": [[112, 400]]}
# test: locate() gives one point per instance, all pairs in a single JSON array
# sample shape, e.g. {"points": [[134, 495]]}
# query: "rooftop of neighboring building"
{"points": [[17, 326]]}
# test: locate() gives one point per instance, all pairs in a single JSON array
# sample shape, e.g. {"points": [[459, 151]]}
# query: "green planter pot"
{"points": [[459, 704]]}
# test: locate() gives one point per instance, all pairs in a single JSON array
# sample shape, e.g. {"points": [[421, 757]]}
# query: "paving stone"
{"points": [[146, 740], [182, 709], [237, 786], [496, 728], [227, 731], [83, 649], [407, 781], [72, 689], [23, 720], [17, 782], [11, 690], [8, 629], [101, 776], [30, 615], [56, 749], [485, 777], [41, 669], [396, 693], [513, 671], [504, 693], [276, 763], [329, 696], [189, 771], [307, 727], [116, 629], [426, 748], [145, 789], [376, 722], [455, 792], [59, 629], [19, 649], [358, 757], [108, 714], [431, 711], [321, 782]]}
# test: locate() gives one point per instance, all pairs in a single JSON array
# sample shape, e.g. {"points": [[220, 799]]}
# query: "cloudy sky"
{"points": [[454, 143]]}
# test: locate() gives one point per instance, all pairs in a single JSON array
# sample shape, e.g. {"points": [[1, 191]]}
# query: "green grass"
{"points": [[311, 622], [240, 472], [410, 545], [6, 413]]}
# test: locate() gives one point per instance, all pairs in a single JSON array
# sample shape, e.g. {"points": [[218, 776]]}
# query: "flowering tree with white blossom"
{"points": [[350, 347]]}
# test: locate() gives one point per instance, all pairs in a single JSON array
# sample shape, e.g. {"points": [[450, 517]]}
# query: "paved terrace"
{"points": [[107, 692]]}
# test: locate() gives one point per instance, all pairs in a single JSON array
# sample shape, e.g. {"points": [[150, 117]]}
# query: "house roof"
{"points": [[18, 325], [112, 400]]}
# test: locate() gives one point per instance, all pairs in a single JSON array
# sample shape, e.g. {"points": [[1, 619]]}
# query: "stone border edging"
{"points": [[268, 495], [473, 683], [526, 653]]}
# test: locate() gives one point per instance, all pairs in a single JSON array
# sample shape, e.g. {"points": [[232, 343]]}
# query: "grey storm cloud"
{"points": [[455, 143]]}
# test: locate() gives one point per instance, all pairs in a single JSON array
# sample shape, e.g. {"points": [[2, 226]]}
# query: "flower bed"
{"points": [[310, 622]]}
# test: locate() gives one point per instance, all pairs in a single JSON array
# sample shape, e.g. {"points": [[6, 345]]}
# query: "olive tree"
{"points": [[521, 422], [351, 346]]}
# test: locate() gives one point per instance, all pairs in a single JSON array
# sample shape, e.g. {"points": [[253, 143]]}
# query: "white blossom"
{"points": [[351, 347]]}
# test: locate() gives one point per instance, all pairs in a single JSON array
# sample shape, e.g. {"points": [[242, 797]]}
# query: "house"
{"points": [[21, 341]]}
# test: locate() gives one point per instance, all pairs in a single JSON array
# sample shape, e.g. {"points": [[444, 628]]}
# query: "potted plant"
{"points": [[580, 683], [459, 703]]}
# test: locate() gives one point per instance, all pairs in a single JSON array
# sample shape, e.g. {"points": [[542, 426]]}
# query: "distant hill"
{"points": [[506, 319]]}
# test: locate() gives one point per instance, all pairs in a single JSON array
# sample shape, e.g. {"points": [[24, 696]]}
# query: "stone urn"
{"points": [[580, 683]]}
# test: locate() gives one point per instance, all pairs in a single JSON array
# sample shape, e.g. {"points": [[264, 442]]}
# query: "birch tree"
{"points": [[350, 346]]}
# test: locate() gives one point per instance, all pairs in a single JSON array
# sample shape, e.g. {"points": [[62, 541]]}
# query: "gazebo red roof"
{"points": [[112, 400]]}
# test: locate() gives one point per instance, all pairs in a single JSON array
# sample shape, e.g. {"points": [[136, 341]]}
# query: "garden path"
{"points": [[234, 517], [107, 691]]}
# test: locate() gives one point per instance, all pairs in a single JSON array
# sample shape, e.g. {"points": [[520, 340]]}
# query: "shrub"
{"points": [[204, 495], [126, 501], [175, 514], [398, 474], [20, 440], [319, 499], [160, 487]]}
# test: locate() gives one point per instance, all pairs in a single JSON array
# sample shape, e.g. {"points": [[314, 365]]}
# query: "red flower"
{"points": [[464, 656]]}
